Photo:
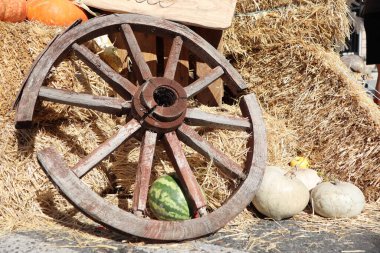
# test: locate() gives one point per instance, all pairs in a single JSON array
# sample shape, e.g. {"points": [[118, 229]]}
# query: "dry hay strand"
{"points": [[247, 6], [20, 43], [335, 122], [367, 221], [325, 24], [253, 232], [282, 141], [29, 200]]}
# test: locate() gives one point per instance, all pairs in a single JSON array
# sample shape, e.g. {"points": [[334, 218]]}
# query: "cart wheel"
{"points": [[156, 110]]}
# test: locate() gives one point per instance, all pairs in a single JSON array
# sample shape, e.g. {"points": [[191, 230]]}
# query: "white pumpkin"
{"points": [[337, 199], [308, 177], [280, 194]]}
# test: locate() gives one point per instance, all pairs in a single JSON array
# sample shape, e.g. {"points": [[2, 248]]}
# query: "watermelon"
{"points": [[167, 201]]}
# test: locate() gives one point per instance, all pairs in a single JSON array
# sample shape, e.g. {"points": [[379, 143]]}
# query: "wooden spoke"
{"points": [[99, 103], [196, 142], [135, 52], [105, 149], [120, 84], [174, 54], [203, 82], [140, 194], [183, 170], [197, 117]]}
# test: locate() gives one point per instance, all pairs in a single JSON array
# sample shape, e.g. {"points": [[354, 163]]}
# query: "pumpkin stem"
{"points": [[335, 181], [291, 173]]}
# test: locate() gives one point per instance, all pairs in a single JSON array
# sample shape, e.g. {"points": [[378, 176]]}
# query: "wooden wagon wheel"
{"points": [[157, 109]]}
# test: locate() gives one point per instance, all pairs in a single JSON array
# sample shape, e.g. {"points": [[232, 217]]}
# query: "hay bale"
{"points": [[300, 80], [324, 24], [314, 93], [28, 194], [249, 6], [20, 43]]}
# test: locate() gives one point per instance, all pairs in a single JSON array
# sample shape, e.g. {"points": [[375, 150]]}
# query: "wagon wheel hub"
{"points": [[160, 105]]}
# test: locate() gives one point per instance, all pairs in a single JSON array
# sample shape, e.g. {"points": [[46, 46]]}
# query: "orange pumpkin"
{"points": [[2, 10], [54, 12], [12, 10]]}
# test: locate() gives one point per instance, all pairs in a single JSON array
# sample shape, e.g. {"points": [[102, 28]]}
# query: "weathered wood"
{"points": [[135, 52], [106, 148], [18, 96], [203, 82], [120, 84], [196, 142], [183, 170], [99, 103], [257, 143], [214, 93], [215, 14], [181, 74], [95, 207], [37, 59], [144, 168], [147, 44], [197, 117], [110, 24], [171, 64]]}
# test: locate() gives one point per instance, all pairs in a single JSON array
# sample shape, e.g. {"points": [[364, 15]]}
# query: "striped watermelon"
{"points": [[167, 201]]}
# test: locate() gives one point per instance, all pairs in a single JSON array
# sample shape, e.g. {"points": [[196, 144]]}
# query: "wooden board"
{"points": [[182, 71], [215, 14], [213, 95], [147, 45]]}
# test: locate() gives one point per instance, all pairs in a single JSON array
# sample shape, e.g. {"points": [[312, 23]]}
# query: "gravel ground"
{"points": [[265, 236]]}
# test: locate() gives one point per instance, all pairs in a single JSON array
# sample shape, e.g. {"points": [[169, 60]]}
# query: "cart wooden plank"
{"points": [[215, 14]]}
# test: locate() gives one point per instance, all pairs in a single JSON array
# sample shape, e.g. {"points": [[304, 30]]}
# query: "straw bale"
{"points": [[248, 6], [326, 24], [19, 45], [335, 122], [300, 81], [282, 141]]}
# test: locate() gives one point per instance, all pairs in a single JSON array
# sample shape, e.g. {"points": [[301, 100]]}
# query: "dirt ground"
{"points": [[263, 236]]}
